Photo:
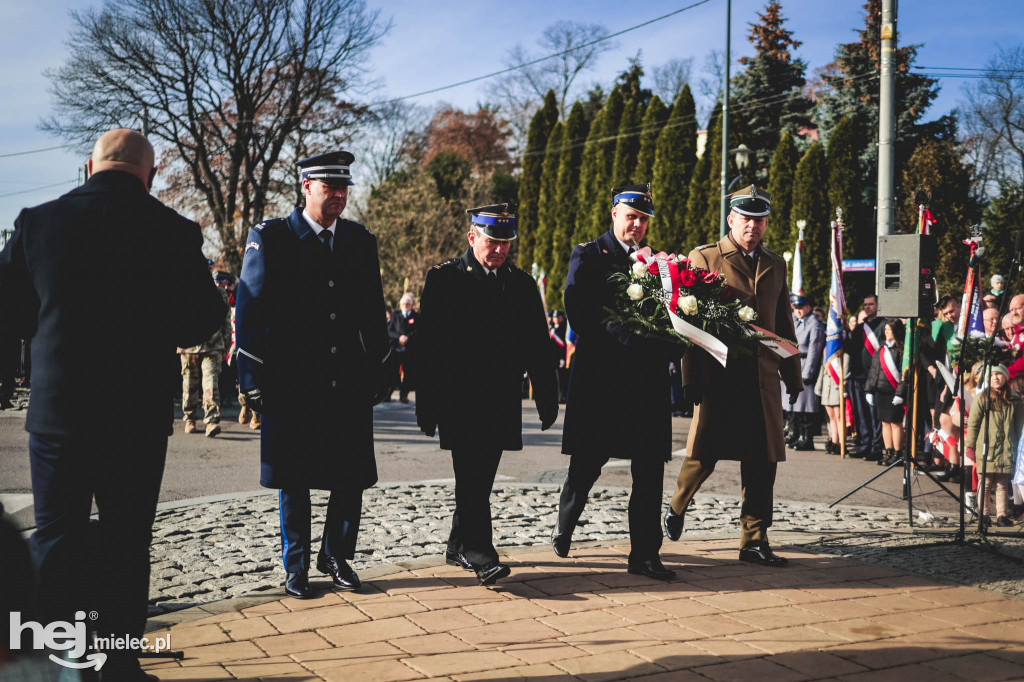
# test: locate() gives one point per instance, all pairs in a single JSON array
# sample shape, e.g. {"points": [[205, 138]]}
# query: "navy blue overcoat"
{"points": [[311, 335], [618, 404]]}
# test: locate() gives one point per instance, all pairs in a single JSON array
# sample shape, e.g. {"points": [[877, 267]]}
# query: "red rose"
{"points": [[727, 293], [653, 268], [684, 262], [709, 277], [687, 278]]}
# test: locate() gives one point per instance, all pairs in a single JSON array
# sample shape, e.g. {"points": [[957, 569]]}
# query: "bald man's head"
{"points": [[124, 150]]}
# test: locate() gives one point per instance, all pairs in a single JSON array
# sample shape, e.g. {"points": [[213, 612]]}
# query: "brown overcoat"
{"points": [[740, 416]]}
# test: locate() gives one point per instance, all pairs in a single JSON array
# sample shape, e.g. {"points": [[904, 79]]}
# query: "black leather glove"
{"points": [[693, 394], [427, 424], [254, 400], [808, 382], [793, 395], [548, 416]]}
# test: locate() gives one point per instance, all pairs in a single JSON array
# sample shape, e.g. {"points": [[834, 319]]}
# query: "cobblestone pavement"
{"points": [[216, 549]]}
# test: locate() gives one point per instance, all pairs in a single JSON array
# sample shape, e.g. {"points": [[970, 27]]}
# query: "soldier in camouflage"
{"points": [[200, 365]]}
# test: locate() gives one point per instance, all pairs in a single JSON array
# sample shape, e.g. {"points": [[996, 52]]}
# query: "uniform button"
{"points": [[334, 384], [333, 316], [330, 283], [334, 349]]}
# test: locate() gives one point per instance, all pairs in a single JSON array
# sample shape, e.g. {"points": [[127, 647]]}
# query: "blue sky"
{"points": [[443, 41]]}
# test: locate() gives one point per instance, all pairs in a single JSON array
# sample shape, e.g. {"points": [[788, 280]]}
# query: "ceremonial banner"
{"points": [[971, 321], [797, 286], [835, 330], [925, 220]]}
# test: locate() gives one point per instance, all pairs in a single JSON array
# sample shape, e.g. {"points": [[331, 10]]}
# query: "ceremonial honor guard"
{"points": [[312, 344], [738, 413], [618, 403], [481, 326], [810, 337]]}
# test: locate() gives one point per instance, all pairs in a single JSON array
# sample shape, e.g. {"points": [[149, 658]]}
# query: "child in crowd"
{"points": [[828, 390], [1005, 420], [881, 389]]}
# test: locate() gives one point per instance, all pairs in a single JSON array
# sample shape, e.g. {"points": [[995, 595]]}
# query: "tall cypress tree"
{"points": [[529, 182], [567, 201], [627, 147], [713, 208], [653, 122], [780, 186], [549, 213], [844, 193], [674, 161], [602, 182], [810, 203], [587, 189], [769, 92], [696, 232]]}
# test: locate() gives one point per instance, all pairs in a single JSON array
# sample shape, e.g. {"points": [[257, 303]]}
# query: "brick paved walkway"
{"points": [[822, 618]]}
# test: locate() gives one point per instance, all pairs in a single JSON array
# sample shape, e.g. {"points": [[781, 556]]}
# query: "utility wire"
{"points": [[36, 189], [36, 151]]}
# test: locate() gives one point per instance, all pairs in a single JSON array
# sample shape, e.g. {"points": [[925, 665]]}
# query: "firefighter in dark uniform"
{"points": [[478, 304], [311, 351], [618, 404]]}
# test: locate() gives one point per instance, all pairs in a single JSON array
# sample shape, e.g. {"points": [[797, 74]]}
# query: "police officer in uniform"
{"points": [[810, 337], [618, 403], [311, 351], [738, 413], [481, 326]]}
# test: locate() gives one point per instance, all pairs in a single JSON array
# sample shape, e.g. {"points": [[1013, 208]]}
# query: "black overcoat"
{"points": [[476, 338], [618, 403], [104, 342], [311, 335]]}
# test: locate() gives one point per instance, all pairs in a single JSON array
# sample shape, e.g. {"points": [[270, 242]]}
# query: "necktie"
{"points": [[326, 237]]}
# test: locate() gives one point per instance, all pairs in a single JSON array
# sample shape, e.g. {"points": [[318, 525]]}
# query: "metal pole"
{"points": [[887, 122], [725, 122]]}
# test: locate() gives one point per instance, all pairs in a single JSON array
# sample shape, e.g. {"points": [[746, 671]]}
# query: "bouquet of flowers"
{"points": [[665, 296], [974, 348]]}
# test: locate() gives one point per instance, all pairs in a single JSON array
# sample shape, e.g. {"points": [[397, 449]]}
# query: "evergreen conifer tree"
{"points": [[653, 122], [548, 208], [568, 183], [529, 183], [769, 93], [586, 189], [810, 203], [696, 232], [627, 147], [844, 193], [674, 161], [780, 186], [602, 181]]}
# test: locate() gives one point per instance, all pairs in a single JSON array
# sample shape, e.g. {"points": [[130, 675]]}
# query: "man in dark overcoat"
{"points": [[618, 403], [402, 334], [738, 408], [311, 351], [480, 303], [861, 345], [62, 283]]}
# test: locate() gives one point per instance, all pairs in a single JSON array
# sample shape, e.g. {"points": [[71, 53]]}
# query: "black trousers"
{"points": [[100, 567], [645, 535], [472, 534], [341, 527]]}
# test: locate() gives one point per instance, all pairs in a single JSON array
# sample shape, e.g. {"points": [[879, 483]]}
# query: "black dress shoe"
{"points": [[561, 542], [652, 568], [297, 585], [761, 553], [491, 573], [673, 524], [339, 570], [457, 559]]}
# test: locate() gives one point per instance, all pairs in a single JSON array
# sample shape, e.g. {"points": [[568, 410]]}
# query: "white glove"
{"points": [[897, 401], [871, 398]]}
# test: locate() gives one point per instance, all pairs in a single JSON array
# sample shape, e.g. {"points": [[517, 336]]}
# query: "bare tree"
{"points": [[709, 89], [389, 146], [230, 88], [670, 77], [994, 121], [521, 91]]}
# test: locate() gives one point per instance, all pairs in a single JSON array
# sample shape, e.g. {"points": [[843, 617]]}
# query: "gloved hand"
{"points": [[808, 382], [254, 400], [897, 401], [693, 394], [548, 415], [427, 423], [382, 385], [793, 395], [870, 398]]}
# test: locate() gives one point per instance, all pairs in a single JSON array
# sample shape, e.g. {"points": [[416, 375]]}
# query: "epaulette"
{"points": [[266, 223], [706, 246], [585, 243], [450, 261]]}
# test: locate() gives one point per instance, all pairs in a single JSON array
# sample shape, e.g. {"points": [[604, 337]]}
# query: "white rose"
{"points": [[746, 313], [688, 305], [639, 269], [635, 292]]}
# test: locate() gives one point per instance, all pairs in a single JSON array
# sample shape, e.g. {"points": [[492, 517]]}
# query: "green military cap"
{"points": [[752, 201]]}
